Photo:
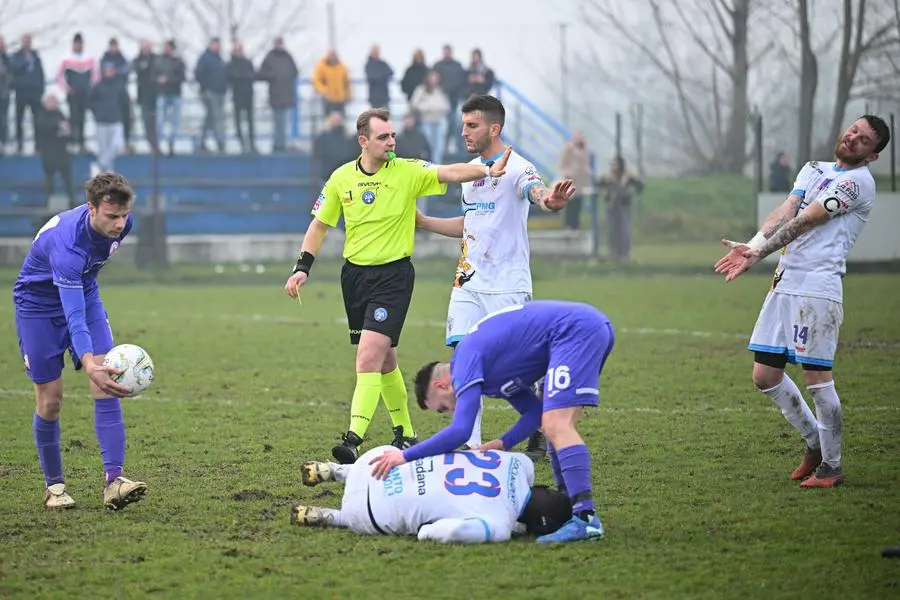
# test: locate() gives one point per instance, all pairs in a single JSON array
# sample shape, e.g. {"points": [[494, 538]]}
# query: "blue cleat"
{"points": [[575, 530]]}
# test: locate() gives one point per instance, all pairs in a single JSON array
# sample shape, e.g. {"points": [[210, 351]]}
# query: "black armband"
{"points": [[304, 263]]}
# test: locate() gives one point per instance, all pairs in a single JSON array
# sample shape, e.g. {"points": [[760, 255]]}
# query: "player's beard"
{"points": [[845, 155], [480, 145]]}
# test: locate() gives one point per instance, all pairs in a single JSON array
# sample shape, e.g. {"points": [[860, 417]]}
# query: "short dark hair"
{"points": [[490, 107], [881, 130], [547, 510], [363, 121], [108, 187], [422, 381]]}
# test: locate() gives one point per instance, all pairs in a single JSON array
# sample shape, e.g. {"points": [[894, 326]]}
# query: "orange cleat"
{"points": [[825, 477], [811, 460]]}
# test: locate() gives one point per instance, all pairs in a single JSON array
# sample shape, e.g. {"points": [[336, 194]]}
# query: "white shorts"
{"points": [[468, 307], [355, 504], [803, 328]]}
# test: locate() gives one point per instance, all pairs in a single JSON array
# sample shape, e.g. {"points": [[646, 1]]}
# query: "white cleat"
{"points": [[314, 473], [121, 492], [56, 496]]}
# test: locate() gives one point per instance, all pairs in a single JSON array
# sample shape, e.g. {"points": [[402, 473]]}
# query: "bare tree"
{"points": [[809, 81], [192, 23], [704, 51], [18, 18], [864, 36]]}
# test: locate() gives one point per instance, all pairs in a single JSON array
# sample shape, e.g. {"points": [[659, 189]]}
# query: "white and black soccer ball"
{"points": [[137, 365]]}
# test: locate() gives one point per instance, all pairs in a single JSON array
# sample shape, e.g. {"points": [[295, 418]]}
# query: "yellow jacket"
{"points": [[332, 82]]}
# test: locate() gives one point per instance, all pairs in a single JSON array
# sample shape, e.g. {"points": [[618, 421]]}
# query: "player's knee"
{"points": [[49, 400], [816, 376], [372, 352], [765, 376]]}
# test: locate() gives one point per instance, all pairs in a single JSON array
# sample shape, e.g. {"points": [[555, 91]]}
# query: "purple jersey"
{"points": [[508, 351], [66, 253]]}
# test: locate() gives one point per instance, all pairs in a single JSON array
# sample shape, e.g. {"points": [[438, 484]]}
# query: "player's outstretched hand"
{"points": [[560, 194], [491, 445], [499, 166], [101, 376], [747, 260], [734, 257], [386, 462], [294, 283]]}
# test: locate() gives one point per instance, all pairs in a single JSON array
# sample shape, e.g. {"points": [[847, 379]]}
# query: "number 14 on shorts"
{"points": [[801, 334]]}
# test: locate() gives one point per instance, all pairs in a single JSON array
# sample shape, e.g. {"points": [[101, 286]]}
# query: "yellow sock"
{"points": [[365, 401], [393, 391]]}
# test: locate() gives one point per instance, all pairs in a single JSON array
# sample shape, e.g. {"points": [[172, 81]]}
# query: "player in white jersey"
{"points": [[815, 228], [468, 497], [494, 268]]}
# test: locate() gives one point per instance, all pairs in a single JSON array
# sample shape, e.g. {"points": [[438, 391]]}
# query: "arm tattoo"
{"points": [[787, 211], [788, 233], [538, 193]]}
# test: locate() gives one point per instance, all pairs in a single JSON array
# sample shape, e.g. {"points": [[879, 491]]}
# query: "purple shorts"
{"points": [[576, 360], [44, 340]]}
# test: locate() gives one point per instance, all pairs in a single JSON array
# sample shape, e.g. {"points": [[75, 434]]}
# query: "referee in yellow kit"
{"points": [[377, 194]]}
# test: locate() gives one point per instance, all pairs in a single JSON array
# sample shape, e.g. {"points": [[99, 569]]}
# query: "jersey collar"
{"points": [[494, 158], [359, 167]]}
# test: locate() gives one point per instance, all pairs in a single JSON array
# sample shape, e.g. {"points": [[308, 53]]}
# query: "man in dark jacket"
{"points": [[333, 147], [280, 70], [145, 69], [170, 75], [28, 82], [53, 133], [241, 76], [5, 89], [378, 75], [106, 104], [211, 74], [453, 81], [415, 74], [76, 76], [411, 142], [123, 71]]}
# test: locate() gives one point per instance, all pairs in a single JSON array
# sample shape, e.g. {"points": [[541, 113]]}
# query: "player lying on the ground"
{"points": [[467, 497], [502, 356], [815, 229]]}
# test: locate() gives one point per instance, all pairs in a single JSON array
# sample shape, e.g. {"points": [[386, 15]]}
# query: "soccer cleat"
{"points": [[347, 451], [314, 473], [121, 492], [811, 460], [537, 446], [310, 516], [400, 442], [56, 496], [575, 530], [825, 477]]}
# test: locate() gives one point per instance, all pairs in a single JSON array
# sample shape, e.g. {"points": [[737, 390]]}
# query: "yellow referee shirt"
{"points": [[380, 209]]}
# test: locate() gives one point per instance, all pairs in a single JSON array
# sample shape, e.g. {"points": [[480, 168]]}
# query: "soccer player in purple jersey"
{"points": [[58, 309], [502, 356]]}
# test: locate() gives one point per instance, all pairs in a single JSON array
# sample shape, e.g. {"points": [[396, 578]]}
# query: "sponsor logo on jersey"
{"points": [[368, 197], [319, 202], [480, 182], [113, 248], [848, 189], [514, 467], [368, 184], [393, 483], [420, 470]]}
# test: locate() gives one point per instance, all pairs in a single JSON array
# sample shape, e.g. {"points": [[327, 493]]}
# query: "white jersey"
{"points": [[495, 257], [460, 496], [813, 264]]}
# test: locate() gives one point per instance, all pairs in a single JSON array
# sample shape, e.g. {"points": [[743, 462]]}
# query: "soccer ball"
{"points": [[138, 365]]}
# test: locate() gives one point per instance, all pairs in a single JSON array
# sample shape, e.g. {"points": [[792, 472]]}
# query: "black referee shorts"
{"points": [[377, 298]]}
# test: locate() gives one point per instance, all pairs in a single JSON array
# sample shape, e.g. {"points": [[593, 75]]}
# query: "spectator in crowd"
{"points": [[333, 147], [5, 90], [211, 75], [411, 142], [75, 76], [145, 65], [575, 164], [279, 69], [53, 134], [431, 104], [480, 78], [378, 76], [415, 74], [28, 83], [170, 75], [106, 104], [780, 173], [454, 82], [241, 76], [332, 81], [123, 71], [619, 187]]}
